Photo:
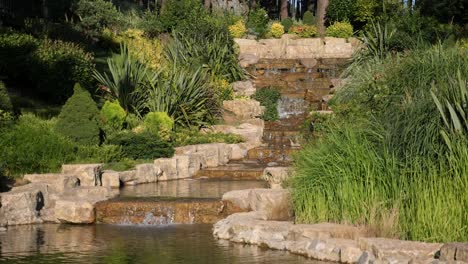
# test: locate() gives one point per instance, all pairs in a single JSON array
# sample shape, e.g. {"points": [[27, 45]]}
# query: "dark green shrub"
{"points": [[181, 13], [57, 66], [95, 15], [150, 23], [287, 23], [143, 145], [16, 51], [308, 18], [258, 21], [268, 97], [47, 69], [33, 146], [113, 117], [339, 10], [79, 117], [340, 30], [5, 102]]}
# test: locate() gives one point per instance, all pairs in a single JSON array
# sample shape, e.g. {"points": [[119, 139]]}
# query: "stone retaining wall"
{"points": [[267, 225], [71, 196]]}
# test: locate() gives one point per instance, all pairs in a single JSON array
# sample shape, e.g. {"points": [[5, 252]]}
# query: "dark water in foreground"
{"points": [[114, 244]]}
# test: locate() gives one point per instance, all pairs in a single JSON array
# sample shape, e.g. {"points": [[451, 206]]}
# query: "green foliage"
{"points": [[308, 18], [127, 76], [184, 95], [180, 13], [193, 136], [365, 10], [150, 23], [95, 15], [141, 145], [258, 21], [214, 53], [340, 10], [238, 30], [378, 40], [268, 97], [63, 64], [15, 53], [158, 123], [287, 23], [340, 30], [98, 154], [5, 102], [304, 31], [396, 172], [276, 30], [32, 146], [79, 117], [47, 68], [113, 117]]}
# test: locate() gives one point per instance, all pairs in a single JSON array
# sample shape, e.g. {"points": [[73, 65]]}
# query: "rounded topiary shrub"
{"points": [[276, 30], [238, 30], [78, 119], [287, 23], [308, 18], [159, 123], [113, 117], [340, 30], [143, 145]]}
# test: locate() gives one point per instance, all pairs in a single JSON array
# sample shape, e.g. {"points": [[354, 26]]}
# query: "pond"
{"points": [[116, 244]]}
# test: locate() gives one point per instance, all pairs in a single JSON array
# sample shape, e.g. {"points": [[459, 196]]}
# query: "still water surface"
{"points": [[116, 244]]}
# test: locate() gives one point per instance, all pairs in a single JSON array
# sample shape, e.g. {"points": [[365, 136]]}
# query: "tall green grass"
{"points": [[388, 161]]}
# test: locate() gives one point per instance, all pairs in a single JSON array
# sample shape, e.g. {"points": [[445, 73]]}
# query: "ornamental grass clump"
{"points": [[394, 158]]}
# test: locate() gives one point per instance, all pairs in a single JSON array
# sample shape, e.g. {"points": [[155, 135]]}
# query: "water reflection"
{"points": [[116, 244], [189, 188]]}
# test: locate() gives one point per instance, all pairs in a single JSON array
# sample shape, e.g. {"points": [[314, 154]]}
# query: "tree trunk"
{"points": [[284, 9], [320, 15], [207, 4]]}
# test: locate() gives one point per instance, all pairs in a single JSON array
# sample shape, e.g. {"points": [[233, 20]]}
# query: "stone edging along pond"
{"points": [[71, 195], [267, 223]]}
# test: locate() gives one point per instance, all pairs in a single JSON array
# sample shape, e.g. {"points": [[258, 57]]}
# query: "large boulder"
{"points": [[243, 109], [252, 131], [110, 179], [58, 182], [23, 205], [89, 174], [75, 211], [394, 249], [270, 204], [243, 88], [77, 207], [454, 252], [274, 204], [168, 167], [276, 176]]}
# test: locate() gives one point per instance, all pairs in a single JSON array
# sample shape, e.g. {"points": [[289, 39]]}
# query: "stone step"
{"points": [[162, 211], [246, 170], [266, 154]]}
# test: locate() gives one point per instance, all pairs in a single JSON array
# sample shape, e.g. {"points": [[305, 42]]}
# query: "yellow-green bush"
{"points": [[238, 30], [146, 50], [304, 31], [340, 30], [276, 30], [113, 116], [158, 123]]}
